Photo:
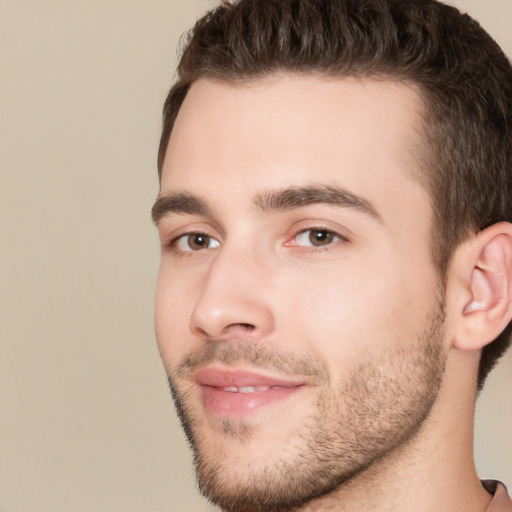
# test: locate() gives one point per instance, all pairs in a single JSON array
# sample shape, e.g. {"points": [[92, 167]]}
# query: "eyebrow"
{"points": [[179, 202], [289, 198]]}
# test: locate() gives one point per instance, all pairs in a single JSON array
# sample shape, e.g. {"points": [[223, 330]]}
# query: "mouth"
{"points": [[232, 393]]}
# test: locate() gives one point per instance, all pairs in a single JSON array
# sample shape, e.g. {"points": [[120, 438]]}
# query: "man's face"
{"points": [[297, 307]]}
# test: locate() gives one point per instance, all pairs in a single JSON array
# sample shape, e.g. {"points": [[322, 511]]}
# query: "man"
{"points": [[336, 269]]}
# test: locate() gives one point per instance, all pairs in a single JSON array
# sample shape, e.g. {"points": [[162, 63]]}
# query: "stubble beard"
{"points": [[379, 408]]}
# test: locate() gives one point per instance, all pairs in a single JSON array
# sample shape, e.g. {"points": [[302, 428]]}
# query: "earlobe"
{"points": [[487, 308]]}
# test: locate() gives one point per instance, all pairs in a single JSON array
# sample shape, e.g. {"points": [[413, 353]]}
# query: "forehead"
{"points": [[291, 130]]}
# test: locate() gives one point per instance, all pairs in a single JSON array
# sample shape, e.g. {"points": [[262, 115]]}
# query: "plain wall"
{"points": [[86, 420]]}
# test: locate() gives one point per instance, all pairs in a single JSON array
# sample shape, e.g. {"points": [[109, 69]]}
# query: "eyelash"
{"points": [[335, 239]]}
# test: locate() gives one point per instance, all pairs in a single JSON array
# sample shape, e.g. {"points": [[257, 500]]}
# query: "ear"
{"points": [[480, 287]]}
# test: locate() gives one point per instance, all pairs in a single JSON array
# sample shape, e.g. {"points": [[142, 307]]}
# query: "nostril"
{"points": [[200, 331], [249, 327], [239, 329]]}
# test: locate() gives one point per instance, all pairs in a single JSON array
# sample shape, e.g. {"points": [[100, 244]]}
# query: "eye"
{"points": [[195, 242], [317, 238]]}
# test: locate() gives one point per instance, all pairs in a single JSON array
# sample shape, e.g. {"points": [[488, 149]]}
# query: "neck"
{"points": [[434, 471]]}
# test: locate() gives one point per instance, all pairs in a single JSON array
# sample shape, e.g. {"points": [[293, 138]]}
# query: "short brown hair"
{"points": [[464, 78]]}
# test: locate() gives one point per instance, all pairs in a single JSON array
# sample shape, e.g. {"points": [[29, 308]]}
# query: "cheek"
{"points": [[343, 314], [173, 304]]}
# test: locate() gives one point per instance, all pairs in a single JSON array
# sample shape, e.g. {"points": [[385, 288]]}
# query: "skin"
{"points": [[363, 309]]}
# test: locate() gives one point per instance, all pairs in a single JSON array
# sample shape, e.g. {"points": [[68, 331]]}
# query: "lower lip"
{"points": [[232, 404]]}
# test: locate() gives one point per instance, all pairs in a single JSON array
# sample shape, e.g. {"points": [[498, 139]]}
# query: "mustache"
{"points": [[256, 355]]}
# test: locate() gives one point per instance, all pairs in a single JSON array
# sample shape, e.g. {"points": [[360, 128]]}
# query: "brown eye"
{"points": [[195, 242], [317, 238]]}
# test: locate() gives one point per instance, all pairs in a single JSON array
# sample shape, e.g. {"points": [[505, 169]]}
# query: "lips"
{"points": [[234, 393]]}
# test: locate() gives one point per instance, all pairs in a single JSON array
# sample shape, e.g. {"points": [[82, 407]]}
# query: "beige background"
{"points": [[86, 422]]}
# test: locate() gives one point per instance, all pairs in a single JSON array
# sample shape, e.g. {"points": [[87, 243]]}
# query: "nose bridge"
{"points": [[234, 298]]}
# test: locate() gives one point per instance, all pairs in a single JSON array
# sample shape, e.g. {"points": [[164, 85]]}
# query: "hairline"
{"points": [[421, 122]]}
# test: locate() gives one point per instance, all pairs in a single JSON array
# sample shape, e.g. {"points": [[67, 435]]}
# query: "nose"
{"points": [[234, 301]]}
